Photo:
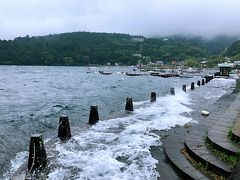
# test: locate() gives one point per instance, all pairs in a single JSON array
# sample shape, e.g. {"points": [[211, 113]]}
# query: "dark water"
{"points": [[32, 98]]}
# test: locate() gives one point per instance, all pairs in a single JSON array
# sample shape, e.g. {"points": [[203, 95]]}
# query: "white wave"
{"points": [[220, 87], [120, 148], [139, 103], [16, 162], [58, 174]]}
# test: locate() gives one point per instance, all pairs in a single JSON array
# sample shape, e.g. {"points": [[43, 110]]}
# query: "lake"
{"points": [[118, 147]]}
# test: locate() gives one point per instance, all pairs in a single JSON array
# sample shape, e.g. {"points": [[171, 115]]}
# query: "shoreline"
{"points": [[165, 166], [170, 131]]}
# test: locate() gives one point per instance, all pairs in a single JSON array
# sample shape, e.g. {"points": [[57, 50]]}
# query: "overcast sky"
{"points": [[137, 17]]}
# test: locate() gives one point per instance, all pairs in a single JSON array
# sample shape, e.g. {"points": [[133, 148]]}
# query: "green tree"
{"points": [[192, 63]]}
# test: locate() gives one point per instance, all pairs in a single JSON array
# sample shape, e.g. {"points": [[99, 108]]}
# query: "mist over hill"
{"points": [[233, 51]]}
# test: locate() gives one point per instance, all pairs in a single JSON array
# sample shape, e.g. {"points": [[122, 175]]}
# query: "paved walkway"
{"points": [[213, 129]]}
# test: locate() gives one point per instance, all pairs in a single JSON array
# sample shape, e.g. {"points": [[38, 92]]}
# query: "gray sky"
{"points": [[140, 17]]}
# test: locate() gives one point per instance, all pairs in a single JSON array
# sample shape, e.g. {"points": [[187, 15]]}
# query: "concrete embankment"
{"points": [[192, 140], [185, 145]]}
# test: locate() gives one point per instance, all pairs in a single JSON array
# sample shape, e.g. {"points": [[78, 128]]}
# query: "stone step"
{"points": [[218, 133], [219, 139], [197, 148], [173, 147], [236, 131]]}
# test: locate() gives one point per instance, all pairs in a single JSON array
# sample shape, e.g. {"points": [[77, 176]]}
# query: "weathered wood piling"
{"points": [[172, 91], [184, 88], [207, 79], [212, 77], [37, 155], [192, 86], [64, 132], [129, 104], [93, 116], [153, 97], [199, 83]]}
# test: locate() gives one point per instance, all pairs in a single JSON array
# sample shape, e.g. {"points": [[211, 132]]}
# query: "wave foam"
{"points": [[120, 148]]}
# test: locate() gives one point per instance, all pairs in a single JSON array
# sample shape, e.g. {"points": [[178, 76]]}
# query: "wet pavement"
{"points": [[173, 141]]}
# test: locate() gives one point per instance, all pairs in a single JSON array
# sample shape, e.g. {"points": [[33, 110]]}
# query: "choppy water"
{"points": [[32, 98]]}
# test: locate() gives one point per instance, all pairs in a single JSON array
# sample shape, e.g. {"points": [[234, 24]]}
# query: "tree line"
{"points": [[85, 48]]}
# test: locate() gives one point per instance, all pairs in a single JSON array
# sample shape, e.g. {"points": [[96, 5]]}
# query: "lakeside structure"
{"points": [[210, 149], [225, 68]]}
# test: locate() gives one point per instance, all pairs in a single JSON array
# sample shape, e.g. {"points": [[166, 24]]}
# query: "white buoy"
{"points": [[205, 113]]}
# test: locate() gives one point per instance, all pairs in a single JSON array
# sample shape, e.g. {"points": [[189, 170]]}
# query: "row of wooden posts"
{"points": [[37, 154]]}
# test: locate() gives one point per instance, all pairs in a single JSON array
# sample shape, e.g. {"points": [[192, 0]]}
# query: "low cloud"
{"points": [[207, 18]]}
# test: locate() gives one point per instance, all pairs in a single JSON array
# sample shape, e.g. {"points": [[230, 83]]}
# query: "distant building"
{"points": [[203, 62], [227, 58], [237, 63], [151, 63], [225, 68], [138, 39], [174, 62], [159, 63], [137, 55]]}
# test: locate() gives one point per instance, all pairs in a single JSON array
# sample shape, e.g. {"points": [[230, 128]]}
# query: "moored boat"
{"points": [[104, 73]]}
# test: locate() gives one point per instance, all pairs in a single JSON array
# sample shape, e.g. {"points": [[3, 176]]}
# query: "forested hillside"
{"points": [[173, 48], [233, 51], [68, 49], [84, 48], [218, 44]]}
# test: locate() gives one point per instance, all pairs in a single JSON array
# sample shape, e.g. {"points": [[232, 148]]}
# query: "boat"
{"points": [[104, 73], [186, 76], [136, 74], [169, 75], [165, 75]]}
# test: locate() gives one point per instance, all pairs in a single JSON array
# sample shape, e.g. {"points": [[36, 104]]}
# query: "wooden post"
{"points": [[199, 83], [64, 132], [206, 79], [129, 104], [203, 82], [93, 116], [192, 86], [184, 88], [153, 97], [37, 155], [172, 91]]}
